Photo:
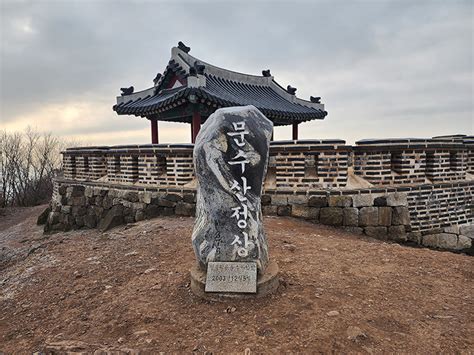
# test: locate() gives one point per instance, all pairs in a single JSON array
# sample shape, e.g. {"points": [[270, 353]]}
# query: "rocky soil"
{"points": [[128, 290]]}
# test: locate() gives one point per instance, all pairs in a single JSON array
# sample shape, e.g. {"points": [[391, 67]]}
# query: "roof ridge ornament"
{"points": [[226, 88], [127, 91], [157, 78], [199, 67], [291, 90], [196, 69], [183, 47], [315, 99], [196, 76]]}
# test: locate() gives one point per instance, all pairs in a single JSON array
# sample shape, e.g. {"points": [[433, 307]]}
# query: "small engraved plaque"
{"points": [[238, 277]]}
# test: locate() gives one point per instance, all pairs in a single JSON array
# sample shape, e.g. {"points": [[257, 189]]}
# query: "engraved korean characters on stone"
{"points": [[230, 160], [238, 277], [240, 213]]}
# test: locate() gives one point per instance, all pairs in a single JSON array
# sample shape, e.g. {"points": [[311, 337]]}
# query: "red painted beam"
{"points": [[154, 131], [295, 131], [173, 80], [195, 126]]}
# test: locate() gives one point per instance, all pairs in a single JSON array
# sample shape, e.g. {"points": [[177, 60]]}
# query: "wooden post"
{"points": [[295, 131], [195, 125], [272, 138], [154, 131]]}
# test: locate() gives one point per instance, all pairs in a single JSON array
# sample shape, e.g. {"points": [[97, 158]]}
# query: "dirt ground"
{"points": [[128, 290]]}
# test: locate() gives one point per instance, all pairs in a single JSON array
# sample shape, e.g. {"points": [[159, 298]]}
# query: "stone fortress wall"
{"points": [[417, 190]]}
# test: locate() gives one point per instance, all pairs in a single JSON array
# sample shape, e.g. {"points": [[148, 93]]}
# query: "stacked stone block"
{"points": [[122, 168], [82, 167], [438, 206], [444, 165], [76, 206], [410, 214], [387, 167], [470, 162], [163, 165], [97, 166], [308, 164], [456, 237], [151, 167], [166, 165], [90, 167], [69, 166], [373, 166], [469, 145], [179, 170], [84, 164], [305, 179], [383, 216], [409, 161], [299, 165]]}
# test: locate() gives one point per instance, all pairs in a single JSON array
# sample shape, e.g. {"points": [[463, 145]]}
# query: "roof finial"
{"points": [[199, 67], [291, 90], [157, 78], [316, 100], [266, 73], [183, 47], [127, 91], [196, 69]]}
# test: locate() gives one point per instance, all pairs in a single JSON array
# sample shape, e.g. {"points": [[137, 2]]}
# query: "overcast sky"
{"points": [[382, 68]]}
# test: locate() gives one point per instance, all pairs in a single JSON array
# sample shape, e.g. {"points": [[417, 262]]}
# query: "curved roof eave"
{"points": [[237, 89]]}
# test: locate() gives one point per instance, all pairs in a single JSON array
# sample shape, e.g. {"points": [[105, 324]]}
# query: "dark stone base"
{"points": [[266, 285]]}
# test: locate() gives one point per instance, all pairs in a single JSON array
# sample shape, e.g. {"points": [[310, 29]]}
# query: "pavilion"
{"points": [[190, 90]]}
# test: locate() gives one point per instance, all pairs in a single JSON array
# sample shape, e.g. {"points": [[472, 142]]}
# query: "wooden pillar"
{"points": [[295, 131], [154, 131], [195, 126], [272, 138]]}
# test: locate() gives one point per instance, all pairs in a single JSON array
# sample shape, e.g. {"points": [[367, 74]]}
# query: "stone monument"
{"points": [[230, 160]]}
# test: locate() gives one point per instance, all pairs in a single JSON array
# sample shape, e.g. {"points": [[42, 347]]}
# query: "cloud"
{"points": [[375, 64]]}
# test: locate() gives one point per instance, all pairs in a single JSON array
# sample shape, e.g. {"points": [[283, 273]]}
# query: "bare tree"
{"points": [[28, 163]]}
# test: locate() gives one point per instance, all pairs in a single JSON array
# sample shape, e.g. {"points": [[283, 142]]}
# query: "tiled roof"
{"points": [[152, 103], [217, 87]]}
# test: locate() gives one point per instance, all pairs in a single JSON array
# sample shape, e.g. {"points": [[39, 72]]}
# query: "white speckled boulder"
{"points": [[230, 159]]}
